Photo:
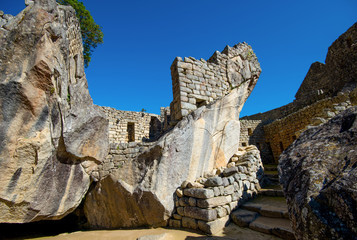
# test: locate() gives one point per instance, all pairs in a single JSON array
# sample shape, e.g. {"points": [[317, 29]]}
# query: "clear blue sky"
{"points": [[131, 70]]}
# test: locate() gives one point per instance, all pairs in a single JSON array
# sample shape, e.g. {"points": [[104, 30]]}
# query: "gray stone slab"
{"points": [[199, 192], [201, 214]]}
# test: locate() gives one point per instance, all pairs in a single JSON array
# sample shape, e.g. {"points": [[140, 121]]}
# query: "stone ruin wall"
{"points": [[120, 156], [207, 203], [273, 131], [199, 82], [252, 133], [145, 125], [282, 132]]}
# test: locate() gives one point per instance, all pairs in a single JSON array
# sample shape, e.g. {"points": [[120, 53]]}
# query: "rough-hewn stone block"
{"points": [[213, 227], [199, 192], [214, 202], [189, 223], [230, 171], [201, 214], [214, 182]]}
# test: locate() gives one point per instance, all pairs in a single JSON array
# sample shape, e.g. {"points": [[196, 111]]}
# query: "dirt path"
{"points": [[230, 232]]}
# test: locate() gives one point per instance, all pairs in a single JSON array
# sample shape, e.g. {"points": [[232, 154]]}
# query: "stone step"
{"points": [[270, 167], [273, 174], [271, 192], [275, 226], [274, 207]]}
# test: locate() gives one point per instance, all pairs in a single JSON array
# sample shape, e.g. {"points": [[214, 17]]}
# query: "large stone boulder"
{"points": [[318, 172], [141, 192], [51, 135]]}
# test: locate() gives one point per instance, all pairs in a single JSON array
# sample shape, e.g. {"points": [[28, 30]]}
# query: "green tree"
{"points": [[92, 34]]}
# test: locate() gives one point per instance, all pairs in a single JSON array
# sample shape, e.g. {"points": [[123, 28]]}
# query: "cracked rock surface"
{"points": [[51, 135], [318, 172]]}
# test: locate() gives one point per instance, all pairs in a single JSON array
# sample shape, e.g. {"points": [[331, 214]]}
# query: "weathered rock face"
{"points": [[144, 188], [319, 175], [51, 135], [339, 73]]}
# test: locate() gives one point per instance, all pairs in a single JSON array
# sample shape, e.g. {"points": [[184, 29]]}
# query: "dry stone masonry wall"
{"points": [[120, 155], [252, 133], [199, 82], [128, 126], [206, 203], [281, 133]]}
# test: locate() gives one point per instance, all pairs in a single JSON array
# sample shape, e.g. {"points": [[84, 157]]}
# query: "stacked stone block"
{"points": [[199, 82], [118, 124], [206, 203], [119, 155]]}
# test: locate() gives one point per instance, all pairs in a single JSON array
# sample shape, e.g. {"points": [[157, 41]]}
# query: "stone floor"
{"points": [[232, 231]]}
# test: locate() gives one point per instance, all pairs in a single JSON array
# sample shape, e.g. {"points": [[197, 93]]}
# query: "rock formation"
{"points": [[51, 135], [318, 172], [141, 192]]}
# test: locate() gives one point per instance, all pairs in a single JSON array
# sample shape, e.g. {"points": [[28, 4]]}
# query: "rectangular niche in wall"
{"points": [[131, 132], [200, 103]]}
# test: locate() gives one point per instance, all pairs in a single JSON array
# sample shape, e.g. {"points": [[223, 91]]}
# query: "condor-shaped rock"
{"points": [[142, 190]]}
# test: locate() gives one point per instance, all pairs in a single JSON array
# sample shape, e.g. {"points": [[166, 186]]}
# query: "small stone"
{"points": [[175, 223], [221, 189], [192, 202], [199, 192], [195, 185], [234, 159], [201, 214], [184, 184], [225, 182], [229, 190], [214, 202], [221, 211], [180, 210], [231, 164], [214, 182], [184, 201], [179, 192], [177, 216], [216, 191], [233, 205], [230, 171], [231, 180], [189, 223]]}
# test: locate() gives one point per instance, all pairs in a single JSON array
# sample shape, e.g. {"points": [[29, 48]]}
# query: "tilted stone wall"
{"points": [[199, 82], [146, 125], [281, 133], [207, 203]]}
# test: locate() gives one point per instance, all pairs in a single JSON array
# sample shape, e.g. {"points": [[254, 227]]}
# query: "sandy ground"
{"points": [[230, 232]]}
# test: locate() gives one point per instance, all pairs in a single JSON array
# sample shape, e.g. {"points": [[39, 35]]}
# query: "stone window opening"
{"points": [[131, 132], [244, 144], [250, 132], [200, 103]]}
